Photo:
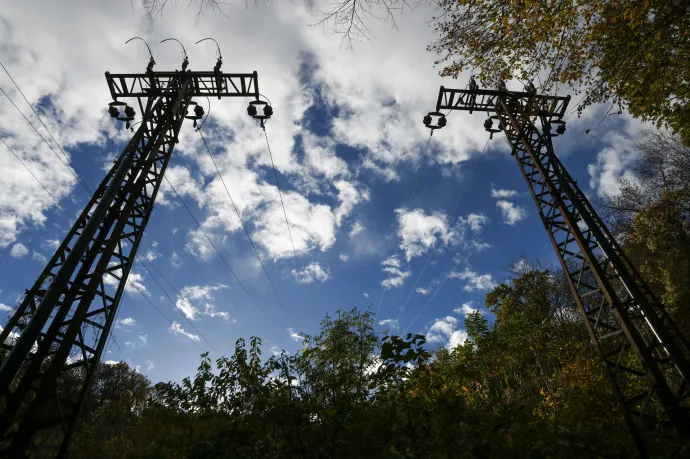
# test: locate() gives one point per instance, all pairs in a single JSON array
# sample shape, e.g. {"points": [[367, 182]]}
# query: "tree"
{"points": [[633, 54], [652, 215]]}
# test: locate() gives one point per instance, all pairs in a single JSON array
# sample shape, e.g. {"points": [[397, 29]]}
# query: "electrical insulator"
{"points": [[427, 120], [113, 111], [560, 129], [488, 124], [251, 110], [129, 112], [268, 111], [199, 111], [441, 121]]}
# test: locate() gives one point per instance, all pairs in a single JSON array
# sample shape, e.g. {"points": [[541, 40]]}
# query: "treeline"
{"points": [[525, 385]]}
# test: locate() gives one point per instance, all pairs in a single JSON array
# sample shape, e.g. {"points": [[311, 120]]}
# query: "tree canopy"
{"points": [[635, 55]]}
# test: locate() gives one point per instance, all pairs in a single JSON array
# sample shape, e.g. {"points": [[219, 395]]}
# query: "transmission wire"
{"points": [[402, 228], [175, 304], [81, 181], [74, 221], [243, 225], [462, 257], [36, 178], [211, 242], [71, 169], [452, 213], [287, 223]]}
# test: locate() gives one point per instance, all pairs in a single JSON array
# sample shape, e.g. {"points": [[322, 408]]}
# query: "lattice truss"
{"points": [[56, 376], [645, 356]]}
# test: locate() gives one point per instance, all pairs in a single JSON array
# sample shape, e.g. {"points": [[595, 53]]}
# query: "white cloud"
{"points": [[511, 212], [294, 335], [502, 194], [391, 323], [357, 228], [348, 197], [111, 362], [344, 257], [51, 244], [612, 165], [199, 299], [39, 257], [5, 308], [19, 250], [149, 365], [311, 273], [476, 221], [475, 281], [419, 232], [135, 281], [444, 331], [150, 255], [177, 329], [127, 321], [422, 291], [466, 309], [396, 276], [366, 295]]}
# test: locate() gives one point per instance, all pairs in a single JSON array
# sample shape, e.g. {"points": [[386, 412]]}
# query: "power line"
{"points": [[402, 228], [176, 291], [211, 242], [39, 118], [243, 225], [279, 192], [36, 178], [433, 248], [463, 257], [73, 221], [71, 169], [175, 305]]}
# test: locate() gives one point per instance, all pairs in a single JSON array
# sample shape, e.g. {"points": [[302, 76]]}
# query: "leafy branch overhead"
{"points": [[632, 54]]}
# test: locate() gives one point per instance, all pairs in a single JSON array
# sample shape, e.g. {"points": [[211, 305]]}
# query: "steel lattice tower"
{"points": [[643, 353], [52, 344]]}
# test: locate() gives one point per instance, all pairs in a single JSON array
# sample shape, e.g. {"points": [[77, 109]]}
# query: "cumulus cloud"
{"points": [[475, 281], [613, 164], [344, 257], [366, 295], [419, 232], [135, 281], [390, 323], [199, 299], [511, 213], [444, 331], [5, 308], [396, 275], [422, 291], [311, 273], [294, 335], [19, 250], [127, 322], [177, 329], [39, 257], [357, 228], [502, 194], [476, 221], [465, 309]]}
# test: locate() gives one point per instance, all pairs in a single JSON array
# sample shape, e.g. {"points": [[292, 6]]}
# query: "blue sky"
{"points": [[348, 142]]}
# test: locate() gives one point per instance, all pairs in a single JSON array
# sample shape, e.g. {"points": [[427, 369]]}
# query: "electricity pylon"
{"points": [[644, 355], [52, 344]]}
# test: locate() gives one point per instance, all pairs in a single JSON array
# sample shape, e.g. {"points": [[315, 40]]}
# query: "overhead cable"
{"points": [[402, 228], [460, 260], [452, 213], [232, 201], [211, 242]]}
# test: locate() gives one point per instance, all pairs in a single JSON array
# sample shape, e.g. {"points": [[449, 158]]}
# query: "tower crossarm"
{"points": [[153, 84], [485, 100]]}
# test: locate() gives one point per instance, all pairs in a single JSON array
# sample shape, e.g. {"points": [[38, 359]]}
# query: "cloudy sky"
{"points": [[348, 144]]}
